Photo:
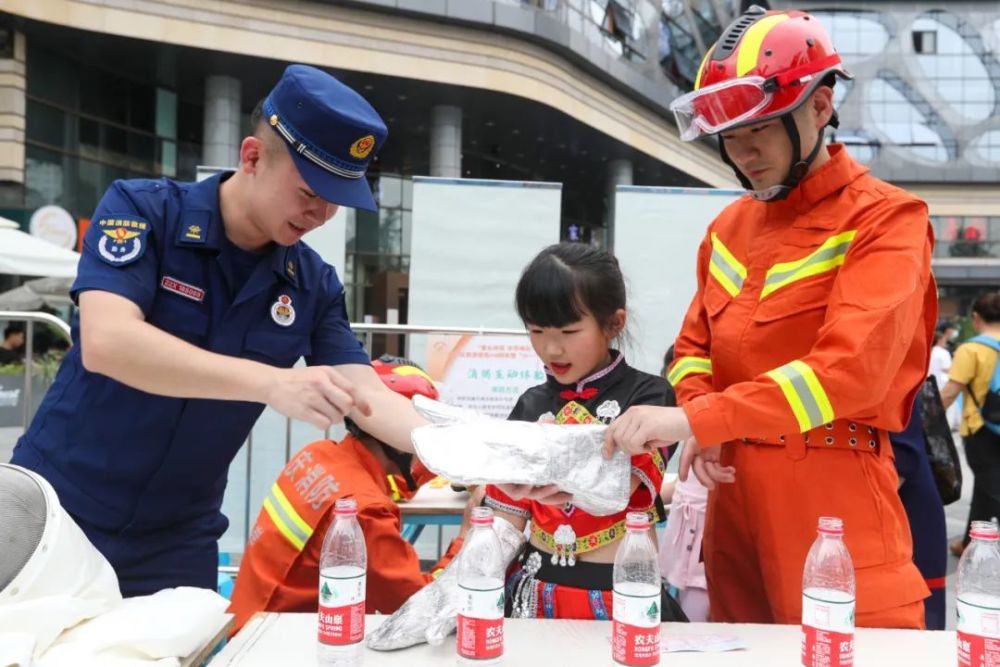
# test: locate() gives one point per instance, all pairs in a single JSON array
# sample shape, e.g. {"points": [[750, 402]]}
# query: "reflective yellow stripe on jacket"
{"points": [[827, 257], [396, 495], [688, 366], [725, 268], [286, 519], [804, 394]]}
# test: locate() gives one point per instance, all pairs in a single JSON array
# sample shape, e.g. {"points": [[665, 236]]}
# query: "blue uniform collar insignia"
{"points": [[285, 261], [200, 223], [123, 239]]}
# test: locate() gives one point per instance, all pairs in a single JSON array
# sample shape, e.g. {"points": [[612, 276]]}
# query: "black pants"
{"points": [[982, 449]]}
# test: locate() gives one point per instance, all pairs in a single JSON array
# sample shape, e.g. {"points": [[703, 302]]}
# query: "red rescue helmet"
{"points": [[404, 377], [765, 66]]}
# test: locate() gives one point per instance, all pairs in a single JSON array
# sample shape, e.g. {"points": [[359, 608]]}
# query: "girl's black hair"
{"points": [[567, 280]]}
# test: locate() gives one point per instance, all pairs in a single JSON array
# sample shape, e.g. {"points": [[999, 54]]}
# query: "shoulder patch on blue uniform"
{"points": [[123, 240]]}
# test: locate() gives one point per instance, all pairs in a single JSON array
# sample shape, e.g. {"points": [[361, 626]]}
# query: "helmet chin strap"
{"points": [[796, 173]]}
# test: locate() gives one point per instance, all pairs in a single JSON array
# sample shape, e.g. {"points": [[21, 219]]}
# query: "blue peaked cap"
{"points": [[331, 131]]}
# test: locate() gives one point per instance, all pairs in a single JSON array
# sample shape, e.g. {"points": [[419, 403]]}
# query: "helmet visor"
{"points": [[716, 108]]}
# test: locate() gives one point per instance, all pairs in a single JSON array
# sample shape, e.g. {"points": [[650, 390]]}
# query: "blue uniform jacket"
{"points": [[128, 462]]}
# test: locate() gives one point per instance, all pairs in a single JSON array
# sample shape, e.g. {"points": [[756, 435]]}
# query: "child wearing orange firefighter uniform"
{"points": [[280, 568]]}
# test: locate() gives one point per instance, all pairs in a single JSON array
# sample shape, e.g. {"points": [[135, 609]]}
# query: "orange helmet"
{"points": [[404, 377], [765, 65]]}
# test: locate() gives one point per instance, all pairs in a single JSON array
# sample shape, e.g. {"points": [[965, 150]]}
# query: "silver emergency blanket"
{"points": [[430, 613], [482, 450]]}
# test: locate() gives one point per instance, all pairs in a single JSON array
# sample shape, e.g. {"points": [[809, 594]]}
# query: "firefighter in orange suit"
{"points": [[280, 568], [806, 341]]}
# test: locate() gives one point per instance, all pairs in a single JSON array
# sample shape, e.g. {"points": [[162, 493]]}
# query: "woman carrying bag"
{"points": [[972, 372]]}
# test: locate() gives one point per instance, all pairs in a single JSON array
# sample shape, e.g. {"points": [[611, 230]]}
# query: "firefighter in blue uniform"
{"points": [[195, 301]]}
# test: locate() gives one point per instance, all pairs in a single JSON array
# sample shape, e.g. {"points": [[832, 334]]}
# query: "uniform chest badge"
{"points": [[282, 312], [122, 241], [608, 411]]}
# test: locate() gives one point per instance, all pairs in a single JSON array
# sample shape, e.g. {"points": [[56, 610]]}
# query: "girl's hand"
{"points": [[547, 495], [644, 428], [707, 465]]}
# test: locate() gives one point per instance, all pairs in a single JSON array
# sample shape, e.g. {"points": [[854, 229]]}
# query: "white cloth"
{"points": [[64, 608], [65, 581], [940, 365], [16, 649], [142, 631]]}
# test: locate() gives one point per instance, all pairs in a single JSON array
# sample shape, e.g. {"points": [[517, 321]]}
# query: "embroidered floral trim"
{"points": [[601, 538]]}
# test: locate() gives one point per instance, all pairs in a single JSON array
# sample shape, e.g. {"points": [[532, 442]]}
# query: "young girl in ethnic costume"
{"points": [[572, 300]]}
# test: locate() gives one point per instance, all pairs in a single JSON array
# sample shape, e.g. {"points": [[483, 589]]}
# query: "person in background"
{"points": [[970, 375], [12, 346], [940, 362], [924, 513], [681, 562]]}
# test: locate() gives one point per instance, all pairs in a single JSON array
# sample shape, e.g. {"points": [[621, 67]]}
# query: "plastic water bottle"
{"points": [[480, 585], [828, 599], [342, 566], [635, 605], [979, 598]]}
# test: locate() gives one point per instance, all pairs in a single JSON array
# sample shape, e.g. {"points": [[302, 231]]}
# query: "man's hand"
{"points": [[547, 495], [318, 395], [644, 428], [706, 462]]}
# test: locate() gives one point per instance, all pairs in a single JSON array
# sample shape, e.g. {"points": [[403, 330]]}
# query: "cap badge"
{"points": [[363, 146]]}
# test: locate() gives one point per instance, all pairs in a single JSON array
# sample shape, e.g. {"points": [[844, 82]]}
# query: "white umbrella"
{"points": [[24, 255], [32, 295]]}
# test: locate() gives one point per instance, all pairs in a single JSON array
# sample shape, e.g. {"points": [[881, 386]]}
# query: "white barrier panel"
{"points": [[657, 233], [483, 373], [471, 240]]}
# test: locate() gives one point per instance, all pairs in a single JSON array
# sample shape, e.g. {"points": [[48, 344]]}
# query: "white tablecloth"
{"points": [[290, 639]]}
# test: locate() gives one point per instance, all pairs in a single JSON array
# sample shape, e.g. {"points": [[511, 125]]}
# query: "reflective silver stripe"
{"points": [[686, 366], [804, 393], [296, 534], [809, 403], [301, 148], [822, 256], [722, 265]]}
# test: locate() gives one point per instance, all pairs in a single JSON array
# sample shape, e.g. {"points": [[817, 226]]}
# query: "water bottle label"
{"points": [[978, 634], [635, 628], [827, 632], [480, 622], [341, 609]]}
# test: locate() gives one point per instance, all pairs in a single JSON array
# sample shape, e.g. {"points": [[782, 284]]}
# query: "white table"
{"points": [[290, 639], [200, 657]]}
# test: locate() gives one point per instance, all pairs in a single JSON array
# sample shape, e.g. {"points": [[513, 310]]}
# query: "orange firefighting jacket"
{"points": [[814, 310], [280, 568]]}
